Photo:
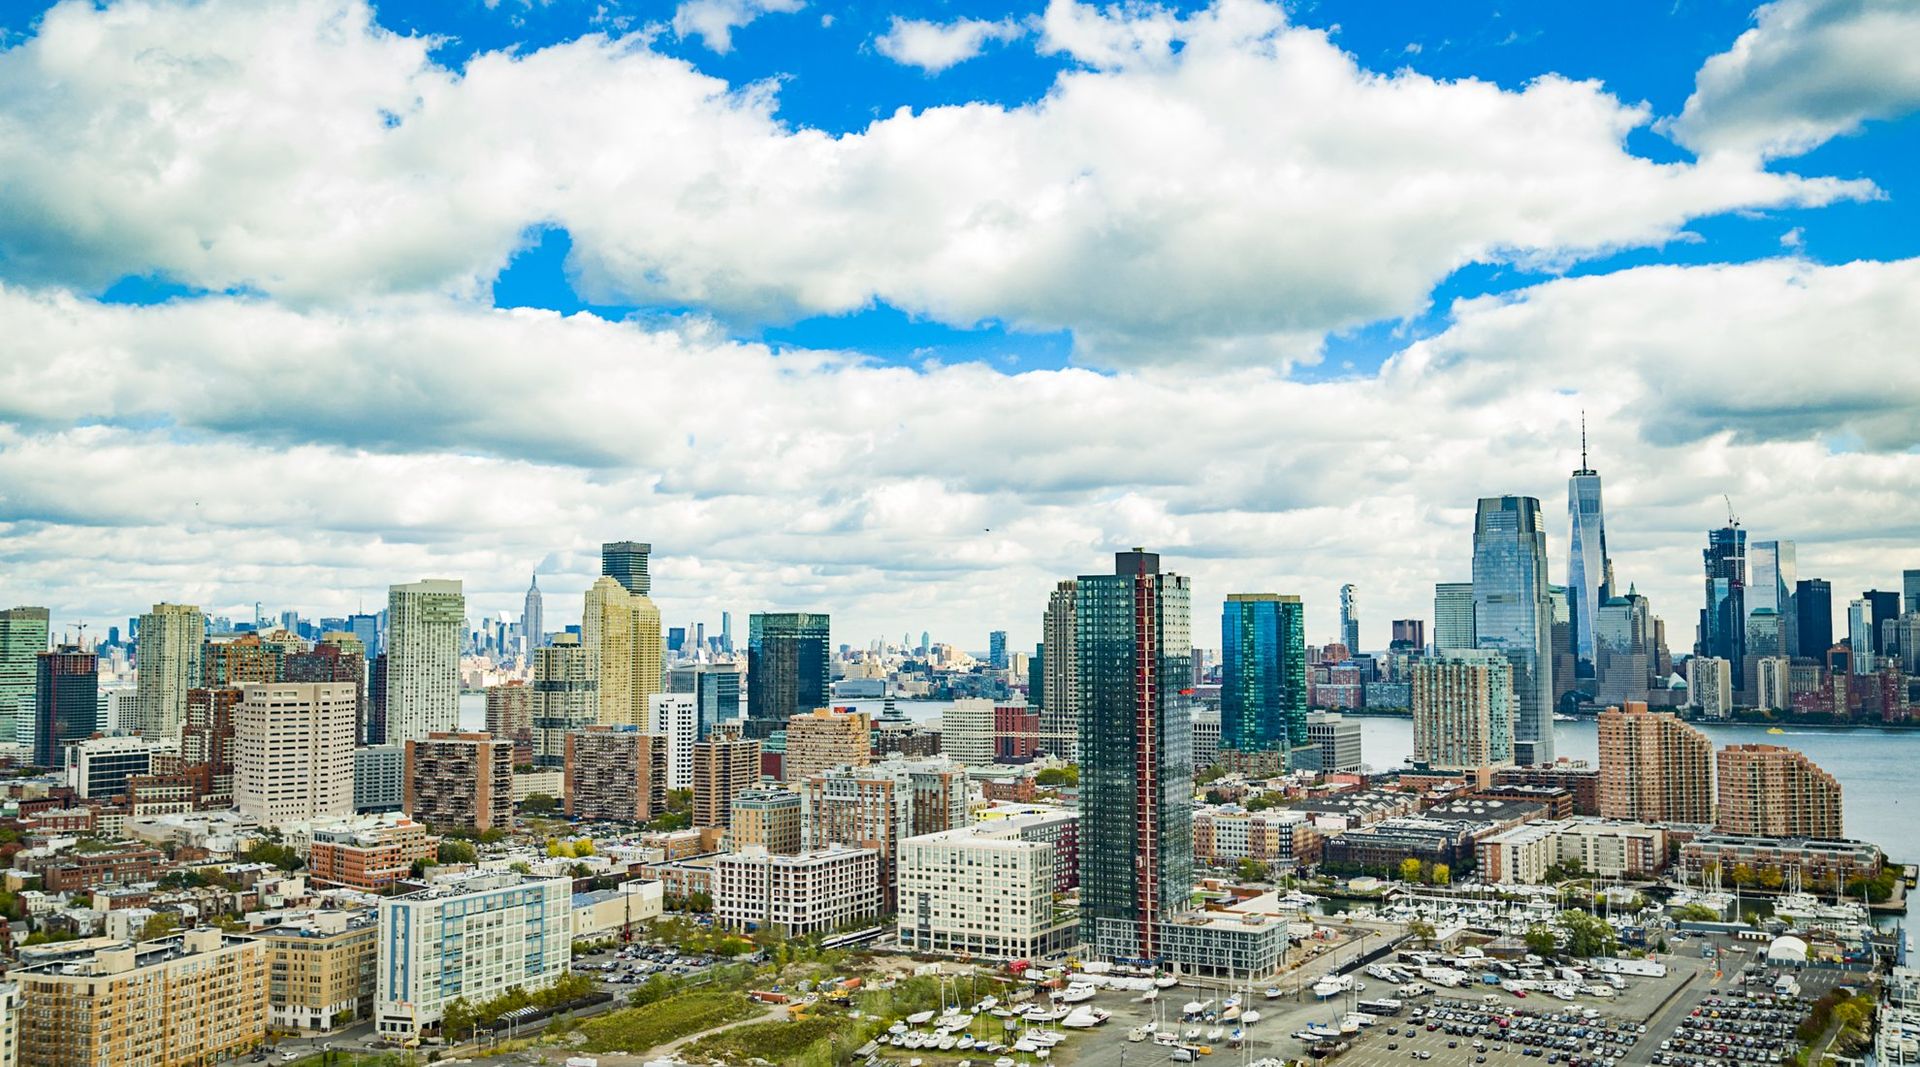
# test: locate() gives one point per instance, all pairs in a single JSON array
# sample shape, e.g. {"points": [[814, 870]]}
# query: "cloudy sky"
{"points": [[901, 311]]}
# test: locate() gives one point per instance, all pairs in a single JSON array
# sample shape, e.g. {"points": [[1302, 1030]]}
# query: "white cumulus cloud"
{"points": [[935, 46], [713, 21], [1808, 71]]}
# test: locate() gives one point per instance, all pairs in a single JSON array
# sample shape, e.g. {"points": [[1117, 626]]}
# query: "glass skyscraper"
{"points": [[1136, 766], [1350, 618], [626, 562], [1813, 611], [1263, 660], [1774, 574], [789, 668], [1512, 614], [1453, 617], [1589, 571], [1723, 620]]}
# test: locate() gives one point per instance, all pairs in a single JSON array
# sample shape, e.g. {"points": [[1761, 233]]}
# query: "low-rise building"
{"points": [[191, 998], [369, 852], [813, 892], [472, 938], [321, 969], [773, 819], [76, 872], [1817, 864], [1380, 848], [983, 890], [1602, 848], [626, 907]]}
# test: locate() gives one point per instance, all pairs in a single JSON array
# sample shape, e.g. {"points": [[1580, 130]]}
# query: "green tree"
{"points": [[1442, 874], [453, 851], [679, 800], [583, 847], [1054, 777], [1410, 870], [1250, 870], [458, 1019], [1421, 931], [271, 852], [539, 804], [1587, 935], [159, 924], [1540, 940]]}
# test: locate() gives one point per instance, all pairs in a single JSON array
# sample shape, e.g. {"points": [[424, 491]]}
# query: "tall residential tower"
{"points": [[1263, 656]]}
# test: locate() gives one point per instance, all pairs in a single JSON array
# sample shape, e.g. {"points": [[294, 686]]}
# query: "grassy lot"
{"points": [[808, 1043], [637, 1030]]}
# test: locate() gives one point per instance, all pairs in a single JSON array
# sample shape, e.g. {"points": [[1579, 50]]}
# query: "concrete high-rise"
{"points": [[1770, 791], [24, 633], [823, 739], [724, 766], [1710, 686], [1463, 711], [675, 719], [788, 668], [424, 624], [1060, 672], [460, 781], [1813, 611], [293, 751], [1453, 617], [533, 616], [171, 637], [1263, 658], [1350, 618], [1774, 571], [620, 631], [66, 702], [770, 819], [617, 773], [1653, 767], [1860, 635], [626, 562], [1589, 571], [1512, 614], [565, 698], [1136, 762]]}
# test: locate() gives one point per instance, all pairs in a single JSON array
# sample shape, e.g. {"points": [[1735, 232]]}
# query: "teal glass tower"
{"points": [[1263, 659], [1136, 765], [789, 668]]}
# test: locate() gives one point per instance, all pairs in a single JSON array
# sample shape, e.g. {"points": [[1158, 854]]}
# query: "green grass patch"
{"points": [[638, 1030], [807, 1043]]}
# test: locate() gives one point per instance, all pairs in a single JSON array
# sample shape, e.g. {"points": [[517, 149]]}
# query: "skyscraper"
{"points": [[66, 702], [1463, 711], [533, 617], [1060, 689], [1350, 618], [1263, 658], [1589, 571], [620, 631], [1136, 764], [1813, 609], [1883, 607], [293, 751], [424, 624], [726, 632], [1653, 767], [997, 650], [23, 636], [565, 697], [1770, 791], [1513, 616], [171, 636], [789, 668], [1860, 635], [1723, 620], [1453, 617], [1774, 575], [626, 562], [1910, 588]]}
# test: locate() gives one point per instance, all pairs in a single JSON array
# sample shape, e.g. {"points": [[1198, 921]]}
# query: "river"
{"points": [[1872, 765]]}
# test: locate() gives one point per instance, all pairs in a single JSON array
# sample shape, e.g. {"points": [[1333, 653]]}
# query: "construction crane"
{"points": [[1732, 519]]}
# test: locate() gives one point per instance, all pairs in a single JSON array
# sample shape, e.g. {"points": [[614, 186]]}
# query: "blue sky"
{"points": [[903, 310]]}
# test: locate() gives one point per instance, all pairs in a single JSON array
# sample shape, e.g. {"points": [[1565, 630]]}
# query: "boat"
{"points": [[920, 1018], [1237, 1037], [1250, 1017], [1150, 996], [1192, 1035], [1332, 986], [1136, 1035], [1232, 1001], [897, 1028], [1166, 981], [1775, 730], [1273, 992], [1320, 1031], [1216, 1033], [1026, 1045], [1193, 1007], [964, 1042], [1075, 994], [1230, 1015], [897, 1040], [1084, 1017], [1004, 1061], [1043, 1015], [987, 1004]]}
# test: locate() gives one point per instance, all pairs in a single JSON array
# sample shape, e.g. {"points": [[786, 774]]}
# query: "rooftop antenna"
{"points": [[1584, 469]]}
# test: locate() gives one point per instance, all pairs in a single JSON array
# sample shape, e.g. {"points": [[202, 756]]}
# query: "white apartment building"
{"points": [[424, 620], [966, 732], [810, 892], [1606, 849], [983, 890], [474, 937], [1710, 686], [676, 717], [293, 751]]}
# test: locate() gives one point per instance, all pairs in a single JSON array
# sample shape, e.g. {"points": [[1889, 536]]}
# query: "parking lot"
{"points": [[1458, 1033], [629, 966]]}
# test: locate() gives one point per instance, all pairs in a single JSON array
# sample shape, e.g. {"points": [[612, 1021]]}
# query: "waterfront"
{"points": [[1871, 764]]}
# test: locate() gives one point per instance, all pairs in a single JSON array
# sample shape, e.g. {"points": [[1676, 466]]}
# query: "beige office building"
{"points": [[823, 739], [770, 819], [170, 643], [1770, 791], [293, 751], [621, 633], [1653, 767], [192, 998]]}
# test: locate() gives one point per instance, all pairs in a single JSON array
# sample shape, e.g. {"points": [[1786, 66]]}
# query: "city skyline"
{"points": [[912, 416]]}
